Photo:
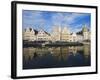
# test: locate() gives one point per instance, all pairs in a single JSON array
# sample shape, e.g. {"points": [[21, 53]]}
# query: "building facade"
{"points": [[57, 34], [43, 36], [85, 33], [65, 34], [29, 34]]}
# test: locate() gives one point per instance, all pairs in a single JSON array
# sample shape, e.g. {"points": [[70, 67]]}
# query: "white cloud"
{"points": [[37, 20], [69, 20], [58, 18], [76, 28]]}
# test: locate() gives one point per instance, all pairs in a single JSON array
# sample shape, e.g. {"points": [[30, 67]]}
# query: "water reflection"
{"points": [[48, 57]]}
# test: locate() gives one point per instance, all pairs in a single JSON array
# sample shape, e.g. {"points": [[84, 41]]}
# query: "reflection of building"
{"points": [[57, 34], [72, 49], [28, 53], [57, 52], [86, 50]]}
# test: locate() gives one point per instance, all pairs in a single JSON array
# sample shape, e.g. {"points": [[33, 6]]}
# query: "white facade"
{"points": [[73, 37], [29, 34], [65, 30], [79, 38], [60, 34], [86, 33], [43, 36], [65, 34], [57, 34]]}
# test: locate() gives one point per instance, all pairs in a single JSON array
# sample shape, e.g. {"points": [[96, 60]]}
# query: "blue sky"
{"points": [[48, 19]]}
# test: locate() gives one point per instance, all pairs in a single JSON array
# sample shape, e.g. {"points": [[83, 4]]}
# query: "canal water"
{"points": [[53, 57]]}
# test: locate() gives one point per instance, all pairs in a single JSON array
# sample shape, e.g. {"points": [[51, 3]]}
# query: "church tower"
{"points": [[85, 32], [56, 32]]}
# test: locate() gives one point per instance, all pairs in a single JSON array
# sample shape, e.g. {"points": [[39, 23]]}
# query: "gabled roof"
{"points": [[47, 33], [36, 32]]}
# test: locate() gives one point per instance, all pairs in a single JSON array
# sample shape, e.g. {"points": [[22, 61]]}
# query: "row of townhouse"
{"points": [[58, 34], [31, 34]]}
